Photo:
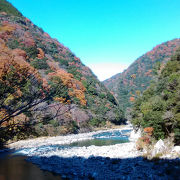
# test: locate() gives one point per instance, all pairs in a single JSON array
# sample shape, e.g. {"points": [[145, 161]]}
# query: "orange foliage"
{"points": [[15, 121], [45, 84], [8, 60], [3, 13], [7, 27], [132, 99], [76, 88], [6, 30], [148, 73], [53, 65], [41, 53], [15, 58], [19, 52], [60, 99], [20, 120], [149, 130]]}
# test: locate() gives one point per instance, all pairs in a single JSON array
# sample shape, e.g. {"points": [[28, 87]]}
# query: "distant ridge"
{"points": [[136, 78]]}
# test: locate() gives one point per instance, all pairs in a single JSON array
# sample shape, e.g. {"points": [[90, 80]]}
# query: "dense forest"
{"points": [[127, 86], [46, 90], [44, 87], [159, 106]]}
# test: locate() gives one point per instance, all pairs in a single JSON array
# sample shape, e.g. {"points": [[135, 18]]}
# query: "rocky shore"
{"points": [[119, 161], [61, 140]]}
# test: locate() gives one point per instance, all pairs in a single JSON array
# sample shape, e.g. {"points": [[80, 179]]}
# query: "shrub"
{"points": [[54, 123], [111, 98], [31, 51], [102, 95], [13, 44], [40, 64], [72, 127], [96, 122]]}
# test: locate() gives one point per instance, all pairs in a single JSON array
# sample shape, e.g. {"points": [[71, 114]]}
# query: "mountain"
{"points": [[44, 85], [159, 107], [127, 86]]}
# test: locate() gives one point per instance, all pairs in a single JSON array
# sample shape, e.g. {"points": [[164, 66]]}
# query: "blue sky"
{"points": [[108, 35]]}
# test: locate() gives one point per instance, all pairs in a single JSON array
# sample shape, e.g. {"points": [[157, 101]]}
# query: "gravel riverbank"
{"points": [[61, 140], [119, 161]]}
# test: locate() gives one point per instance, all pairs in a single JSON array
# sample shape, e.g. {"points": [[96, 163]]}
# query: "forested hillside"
{"points": [[127, 86], [159, 106], [44, 87]]}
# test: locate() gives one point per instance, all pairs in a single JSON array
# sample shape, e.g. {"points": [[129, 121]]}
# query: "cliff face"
{"points": [[128, 85], [73, 98]]}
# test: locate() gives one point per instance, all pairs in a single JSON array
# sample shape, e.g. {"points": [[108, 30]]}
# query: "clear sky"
{"points": [[108, 35]]}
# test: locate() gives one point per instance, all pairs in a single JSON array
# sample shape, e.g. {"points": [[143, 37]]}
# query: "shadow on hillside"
{"points": [[108, 168]]}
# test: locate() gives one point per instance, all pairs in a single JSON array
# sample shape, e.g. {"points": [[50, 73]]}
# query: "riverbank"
{"points": [[59, 146], [119, 161], [60, 140]]}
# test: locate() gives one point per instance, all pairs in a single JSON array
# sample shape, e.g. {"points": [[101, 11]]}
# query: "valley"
{"points": [[58, 121]]}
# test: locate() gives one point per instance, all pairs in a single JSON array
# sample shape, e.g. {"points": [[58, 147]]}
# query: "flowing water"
{"points": [[105, 139], [14, 167]]}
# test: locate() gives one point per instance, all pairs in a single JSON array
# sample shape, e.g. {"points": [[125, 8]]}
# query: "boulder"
{"points": [[159, 148], [135, 135], [176, 150]]}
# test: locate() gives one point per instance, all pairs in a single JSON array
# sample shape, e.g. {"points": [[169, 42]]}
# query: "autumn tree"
{"points": [[21, 87]]}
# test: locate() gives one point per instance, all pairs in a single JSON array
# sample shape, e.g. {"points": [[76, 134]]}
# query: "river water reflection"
{"points": [[16, 168], [105, 139]]}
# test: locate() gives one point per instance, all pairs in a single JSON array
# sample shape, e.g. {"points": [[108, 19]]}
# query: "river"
{"points": [[16, 168], [13, 165]]}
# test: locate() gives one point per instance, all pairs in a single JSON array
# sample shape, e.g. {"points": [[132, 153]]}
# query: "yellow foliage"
{"points": [[133, 76], [60, 99], [8, 99]]}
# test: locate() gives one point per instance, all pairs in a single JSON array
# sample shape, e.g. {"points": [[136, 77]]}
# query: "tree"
{"points": [[158, 107], [21, 88]]}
